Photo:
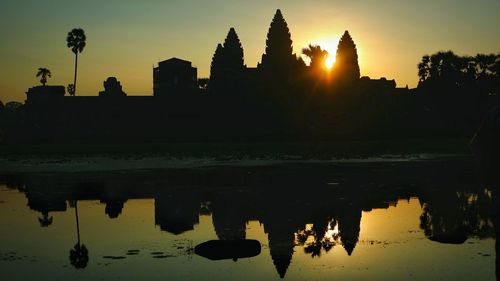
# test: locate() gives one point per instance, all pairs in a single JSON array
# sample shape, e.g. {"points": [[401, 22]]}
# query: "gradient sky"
{"points": [[125, 38]]}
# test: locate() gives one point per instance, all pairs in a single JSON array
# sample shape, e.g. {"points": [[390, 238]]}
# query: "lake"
{"points": [[366, 220]]}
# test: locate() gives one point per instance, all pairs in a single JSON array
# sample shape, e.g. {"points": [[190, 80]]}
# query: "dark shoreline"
{"points": [[243, 149]]}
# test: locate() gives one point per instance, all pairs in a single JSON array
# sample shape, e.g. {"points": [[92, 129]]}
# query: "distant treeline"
{"points": [[445, 71]]}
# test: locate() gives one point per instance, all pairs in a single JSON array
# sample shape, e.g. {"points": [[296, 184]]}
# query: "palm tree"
{"points": [[79, 255], [71, 89], [44, 73], [317, 55], [76, 41]]}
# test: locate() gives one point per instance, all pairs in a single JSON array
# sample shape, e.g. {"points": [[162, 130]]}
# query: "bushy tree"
{"points": [[13, 106], [444, 71], [317, 55]]}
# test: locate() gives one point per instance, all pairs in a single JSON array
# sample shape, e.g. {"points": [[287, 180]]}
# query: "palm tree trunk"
{"points": [[76, 67], [77, 223]]}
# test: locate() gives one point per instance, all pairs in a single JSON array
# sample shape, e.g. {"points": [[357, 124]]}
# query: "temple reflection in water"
{"points": [[316, 207]]}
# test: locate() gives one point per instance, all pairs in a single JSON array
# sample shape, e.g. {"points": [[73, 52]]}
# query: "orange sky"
{"points": [[126, 38]]}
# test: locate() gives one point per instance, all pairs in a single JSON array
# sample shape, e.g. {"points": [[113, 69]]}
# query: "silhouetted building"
{"points": [[279, 55], [112, 88], [227, 68], [215, 82], [349, 227], [42, 199], [114, 207], [229, 218], [42, 93], [280, 228], [176, 213], [281, 244], [174, 76], [278, 95], [380, 86], [346, 68]]}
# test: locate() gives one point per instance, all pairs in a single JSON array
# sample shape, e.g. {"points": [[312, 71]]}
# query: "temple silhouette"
{"points": [[174, 77], [281, 98]]}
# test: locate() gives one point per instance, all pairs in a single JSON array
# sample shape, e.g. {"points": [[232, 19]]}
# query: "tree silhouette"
{"points": [[424, 69], [79, 255], [76, 41], [453, 216], [486, 64], [444, 69], [13, 106], [346, 64], [71, 89], [319, 242], [446, 72], [317, 55], [488, 73], [43, 73]]}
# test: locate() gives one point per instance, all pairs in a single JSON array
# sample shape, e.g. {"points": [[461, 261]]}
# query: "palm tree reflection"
{"points": [[79, 255], [318, 237]]}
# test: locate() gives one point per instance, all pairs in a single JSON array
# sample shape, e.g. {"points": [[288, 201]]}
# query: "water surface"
{"points": [[422, 220]]}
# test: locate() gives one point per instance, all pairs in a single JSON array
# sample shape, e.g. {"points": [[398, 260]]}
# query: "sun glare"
{"points": [[330, 45], [329, 61]]}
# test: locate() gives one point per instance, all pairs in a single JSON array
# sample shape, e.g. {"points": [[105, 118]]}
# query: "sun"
{"points": [[329, 44], [330, 60]]}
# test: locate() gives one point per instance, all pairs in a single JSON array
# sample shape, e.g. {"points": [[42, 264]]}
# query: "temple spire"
{"points": [[346, 64], [227, 65], [279, 49], [233, 52]]}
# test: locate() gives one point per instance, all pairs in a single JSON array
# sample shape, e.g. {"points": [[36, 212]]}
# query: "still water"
{"points": [[422, 220]]}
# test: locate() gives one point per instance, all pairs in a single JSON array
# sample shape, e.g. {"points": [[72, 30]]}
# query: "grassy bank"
{"points": [[321, 150]]}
